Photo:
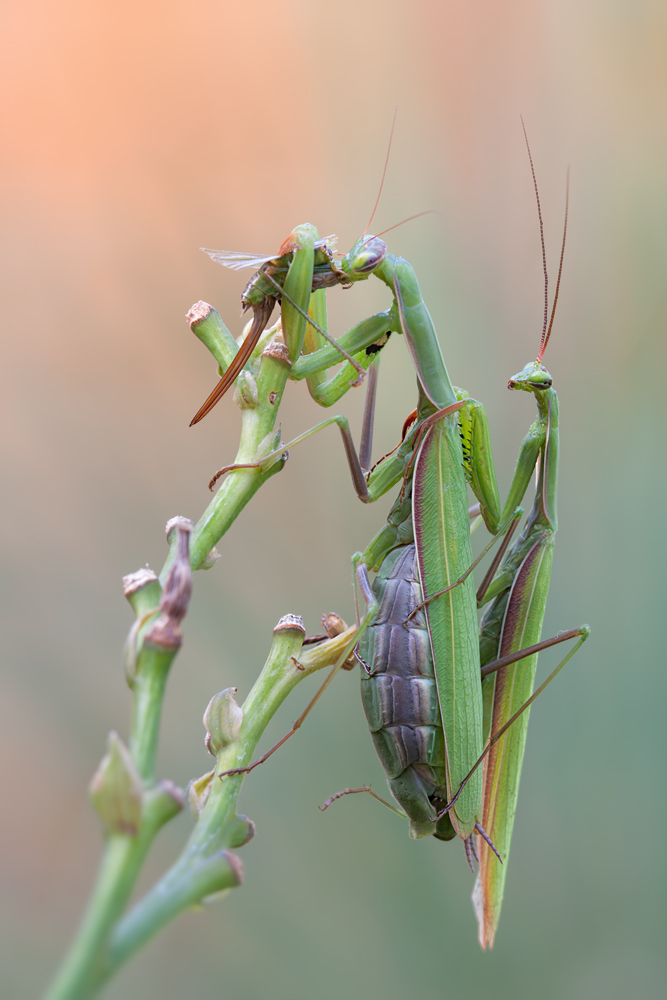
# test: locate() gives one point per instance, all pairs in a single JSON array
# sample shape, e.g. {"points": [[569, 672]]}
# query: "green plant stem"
{"points": [[148, 689], [204, 862], [122, 860], [78, 973], [240, 486], [176, 892], [86, 965]]}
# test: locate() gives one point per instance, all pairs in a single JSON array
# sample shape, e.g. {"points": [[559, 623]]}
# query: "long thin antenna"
{"points": [[427, 211], [544, 253], [545, 339], [384, 172]]}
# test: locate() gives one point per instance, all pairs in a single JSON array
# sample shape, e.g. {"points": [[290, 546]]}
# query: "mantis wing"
{"points": [[522, 626], [442, 535]]}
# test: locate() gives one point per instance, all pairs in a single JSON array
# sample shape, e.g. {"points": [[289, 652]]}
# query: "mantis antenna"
{"points": [[427, 211], [546, 333], [545, 340], [544, 253], [384, 172]]}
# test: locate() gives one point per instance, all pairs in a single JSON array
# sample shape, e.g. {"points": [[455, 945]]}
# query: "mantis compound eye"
{"points": [[369, 252], [540, 378]]}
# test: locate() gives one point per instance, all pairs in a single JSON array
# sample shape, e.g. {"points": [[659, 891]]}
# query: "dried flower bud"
{"points": [[166, 631], [173, 523], [142, 589], [277, 350], [211, 559], [198, 790], [334, 625], [199, 311], [116, 790], [222, 720], [135, 581], [290, 622]]}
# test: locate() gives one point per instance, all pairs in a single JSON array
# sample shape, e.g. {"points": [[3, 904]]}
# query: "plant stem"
{"points": [[240, 486], [148, 689], [205, 866], [179, 890], [202, 868], [123, 857], [78, 973]]}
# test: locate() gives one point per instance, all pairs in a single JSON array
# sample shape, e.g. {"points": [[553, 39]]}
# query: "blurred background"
{"points": [[133, 134]]}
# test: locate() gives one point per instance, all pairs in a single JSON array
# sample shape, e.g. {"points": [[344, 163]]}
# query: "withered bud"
{"points": [[136, 581], [246, 395], [222, 720], [142, 589], [198, 790], [277, 350], [116, 790], [334, 625], [173, 523], [211, 559], [176, 592], [288, 622], [199, 311]]}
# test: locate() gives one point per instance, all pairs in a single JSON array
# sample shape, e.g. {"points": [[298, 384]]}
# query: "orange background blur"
{"points": [[132, 134]]}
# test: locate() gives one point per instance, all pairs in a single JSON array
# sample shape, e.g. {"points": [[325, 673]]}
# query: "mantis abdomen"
{"points": [[400, 696]]}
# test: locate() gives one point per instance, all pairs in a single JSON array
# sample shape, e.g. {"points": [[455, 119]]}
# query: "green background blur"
{"points": [[134, 133]]}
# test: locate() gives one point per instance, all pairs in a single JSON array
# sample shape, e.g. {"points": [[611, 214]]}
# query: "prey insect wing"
{"points": [[236, 260]]}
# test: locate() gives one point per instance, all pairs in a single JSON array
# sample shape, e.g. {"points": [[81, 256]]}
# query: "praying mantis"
{"points": [[441, 699]]}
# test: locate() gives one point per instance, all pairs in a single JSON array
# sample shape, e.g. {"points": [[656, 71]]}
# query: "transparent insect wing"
{"points": [[329, 242], [237, 260]]}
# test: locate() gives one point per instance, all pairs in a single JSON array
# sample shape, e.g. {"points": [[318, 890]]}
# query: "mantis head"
{"points": [[366, 254], [533, 378]]}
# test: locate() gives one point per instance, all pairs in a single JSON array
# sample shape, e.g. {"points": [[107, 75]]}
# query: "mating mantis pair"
{"points": [[440, 697]]}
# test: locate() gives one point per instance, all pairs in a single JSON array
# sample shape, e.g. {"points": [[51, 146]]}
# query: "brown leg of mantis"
{"points": [[490, 668], [497, 559], [357, 463], [492, 570], [357, 791], [484, 835], [366, 443], [505, 661], [469, 847]]}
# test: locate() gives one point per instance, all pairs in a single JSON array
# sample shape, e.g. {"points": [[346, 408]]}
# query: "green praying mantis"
{"points": [[442, 698]]}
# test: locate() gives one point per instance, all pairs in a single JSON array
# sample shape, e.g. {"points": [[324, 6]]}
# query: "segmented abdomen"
{"points": [[400, 697]]}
